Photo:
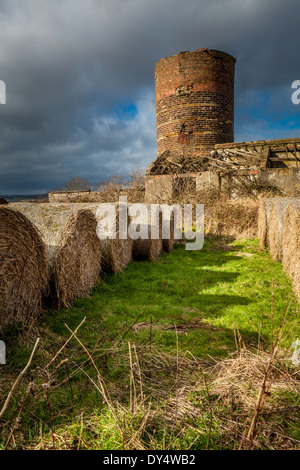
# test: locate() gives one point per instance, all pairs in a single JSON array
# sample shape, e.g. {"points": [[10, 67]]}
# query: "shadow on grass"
{"points": [[171, 290]]}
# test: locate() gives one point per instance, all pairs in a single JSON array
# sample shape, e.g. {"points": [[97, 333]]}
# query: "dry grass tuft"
{"points": [[254, 387], [170, 395], [214, 402], [238, 379], [226, 216]]}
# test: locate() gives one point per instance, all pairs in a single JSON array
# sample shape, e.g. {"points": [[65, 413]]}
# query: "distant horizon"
{"points": [[26, 196]]}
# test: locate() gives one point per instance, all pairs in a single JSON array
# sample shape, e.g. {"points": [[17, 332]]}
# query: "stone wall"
{"points": [[73, 196]]}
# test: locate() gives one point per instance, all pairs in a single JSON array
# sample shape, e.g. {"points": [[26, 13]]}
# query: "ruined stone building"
{"points": [[195, 130]]}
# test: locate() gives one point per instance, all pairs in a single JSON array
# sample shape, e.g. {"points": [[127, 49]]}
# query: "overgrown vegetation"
{"points": [[75, 184], [181, 353], [131, 186]]}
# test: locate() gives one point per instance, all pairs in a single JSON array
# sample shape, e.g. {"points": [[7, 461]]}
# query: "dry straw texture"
{"points": [[274, 238], [262, 224], [147, 248], [265, 206], [168, 243], [291, 246], [73, 253], [116, 252], [23, 269], [77, 260], [238, 379], [279, 228], [72, 246], [254, 386]]}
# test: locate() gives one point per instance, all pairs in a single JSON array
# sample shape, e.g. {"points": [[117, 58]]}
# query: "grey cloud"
{"points": [[68, 64]]}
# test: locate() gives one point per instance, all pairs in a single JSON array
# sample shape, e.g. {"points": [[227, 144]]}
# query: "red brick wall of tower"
{"points": [[194, 101]]}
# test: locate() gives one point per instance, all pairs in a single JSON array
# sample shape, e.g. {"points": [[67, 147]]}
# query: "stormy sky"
{"points": [[79, 75]]}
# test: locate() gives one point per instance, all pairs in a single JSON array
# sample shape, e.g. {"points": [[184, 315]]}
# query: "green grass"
{"points": [[205, 293], [186, 304]]}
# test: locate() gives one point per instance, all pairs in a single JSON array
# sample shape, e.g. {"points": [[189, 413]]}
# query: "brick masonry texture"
{"points": [[194, 101]]}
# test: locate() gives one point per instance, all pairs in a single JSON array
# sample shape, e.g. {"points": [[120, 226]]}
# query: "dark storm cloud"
{"points": [[73, 69]]}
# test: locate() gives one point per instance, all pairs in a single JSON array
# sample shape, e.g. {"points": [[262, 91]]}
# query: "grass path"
{"points": [[200, 302], [205, 294]]}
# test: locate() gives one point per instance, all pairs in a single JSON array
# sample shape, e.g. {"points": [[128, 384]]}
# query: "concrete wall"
{"points": [[158, 189], [285, 179], [207, 179], [161, 188]]}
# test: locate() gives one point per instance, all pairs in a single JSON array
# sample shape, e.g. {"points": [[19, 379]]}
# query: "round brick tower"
{"points": [[194, 101]]}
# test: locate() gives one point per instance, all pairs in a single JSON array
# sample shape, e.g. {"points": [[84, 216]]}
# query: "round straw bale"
{"points": [[274, 240], [3, 201], [263, 220], [168, 243], [291, 241], [116, 252], [77, 260], [262, 224], [23, 269], [148, 248], [72, 246]]}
